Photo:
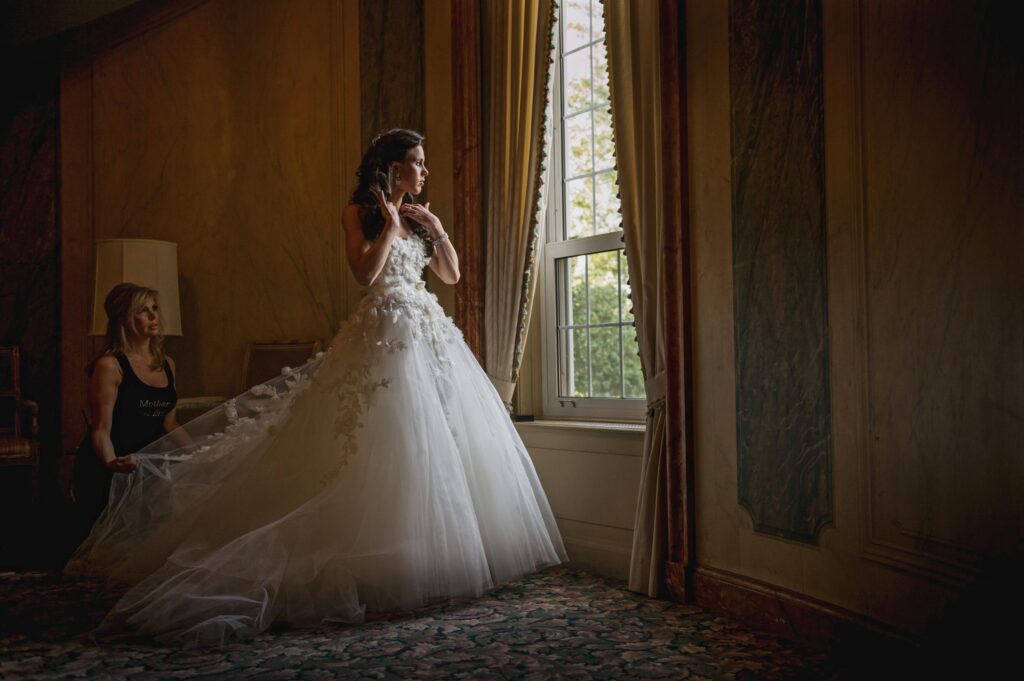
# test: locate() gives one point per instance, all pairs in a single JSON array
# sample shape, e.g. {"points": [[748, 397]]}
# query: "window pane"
{"points": [[579, 199], [575, 23], [573, 363], [578, 154], [604, 354], [577, 81], [597, 19], [604, 143], [632, 375], [565, 365], [595, 339], [627, 316], [606, 218], [571, 290], [601, 93], [581, 358], [604, 288]]}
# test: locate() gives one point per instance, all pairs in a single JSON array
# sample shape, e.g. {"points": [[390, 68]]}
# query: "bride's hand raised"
{"points": [[388, 210], [423, 216]]}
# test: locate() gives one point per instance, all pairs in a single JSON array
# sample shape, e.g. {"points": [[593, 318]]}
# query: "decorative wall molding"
{"points": [[787, 613], [915, 552]]}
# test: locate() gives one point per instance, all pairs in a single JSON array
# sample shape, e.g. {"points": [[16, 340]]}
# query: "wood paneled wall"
{"points": [[924, 365], [227, 128]]}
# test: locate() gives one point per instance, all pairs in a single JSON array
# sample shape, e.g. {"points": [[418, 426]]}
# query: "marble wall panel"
{"points": [[778, 220]]}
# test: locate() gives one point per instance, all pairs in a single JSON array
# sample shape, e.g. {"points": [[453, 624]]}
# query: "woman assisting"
{"points": [[131, 397]]}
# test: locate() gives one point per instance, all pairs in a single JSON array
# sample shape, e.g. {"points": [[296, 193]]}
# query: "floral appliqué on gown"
{"points": [[382, 475]]}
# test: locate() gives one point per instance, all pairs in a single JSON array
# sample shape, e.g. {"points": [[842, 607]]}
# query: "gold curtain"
{"points": [[515, 51], [634, 71]]}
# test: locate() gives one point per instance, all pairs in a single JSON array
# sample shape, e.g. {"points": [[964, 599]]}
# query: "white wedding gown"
{"points": [[383, 475]]}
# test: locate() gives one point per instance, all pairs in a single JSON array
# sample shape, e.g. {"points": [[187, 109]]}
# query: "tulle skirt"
{"points": [[381, 476]]}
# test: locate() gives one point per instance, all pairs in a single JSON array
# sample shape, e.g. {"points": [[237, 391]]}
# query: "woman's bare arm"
{"points": [[103, 385], [444, 261], [366, 258]]}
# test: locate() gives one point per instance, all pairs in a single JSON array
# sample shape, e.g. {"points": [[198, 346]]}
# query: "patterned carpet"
{"points": [[561, 623]]}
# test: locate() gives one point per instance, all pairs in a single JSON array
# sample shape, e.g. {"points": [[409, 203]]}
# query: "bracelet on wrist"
{"points": [[439, 240]]}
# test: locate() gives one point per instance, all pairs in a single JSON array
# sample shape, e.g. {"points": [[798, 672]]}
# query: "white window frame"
{"points": [[553, 405]]}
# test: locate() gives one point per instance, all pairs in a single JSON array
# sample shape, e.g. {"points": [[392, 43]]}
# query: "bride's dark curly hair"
{"points": [[375, 176]]}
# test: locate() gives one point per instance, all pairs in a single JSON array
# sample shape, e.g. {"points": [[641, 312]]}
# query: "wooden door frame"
{"points": [[680, 563]]}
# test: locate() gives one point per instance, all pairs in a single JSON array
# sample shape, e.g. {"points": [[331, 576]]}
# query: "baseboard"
{"points": [[599, 558], [787, 613]]}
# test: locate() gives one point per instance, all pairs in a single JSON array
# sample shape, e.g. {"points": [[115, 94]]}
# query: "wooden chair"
{"points": [[264, 360], [19, 418]]}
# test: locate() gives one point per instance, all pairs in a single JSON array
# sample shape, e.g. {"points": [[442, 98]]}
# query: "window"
{"points": [[591, 367]]}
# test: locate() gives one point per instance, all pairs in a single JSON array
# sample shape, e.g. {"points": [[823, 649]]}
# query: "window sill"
{"points": [[585, 425]]}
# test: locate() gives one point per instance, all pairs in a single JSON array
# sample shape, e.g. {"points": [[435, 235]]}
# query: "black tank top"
{"points": [[140, 409]]}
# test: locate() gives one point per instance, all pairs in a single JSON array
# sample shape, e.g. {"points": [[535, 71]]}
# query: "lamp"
{"points": [[149, 263]]}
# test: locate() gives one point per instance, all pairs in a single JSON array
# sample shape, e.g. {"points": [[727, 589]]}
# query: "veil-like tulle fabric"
{"points": [[381, 475]]}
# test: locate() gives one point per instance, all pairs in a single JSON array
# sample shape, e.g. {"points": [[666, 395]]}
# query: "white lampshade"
{"points": [[149, 263]]}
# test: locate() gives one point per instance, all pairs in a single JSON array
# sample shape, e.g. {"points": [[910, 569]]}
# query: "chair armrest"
{"points": [[31, 408]]}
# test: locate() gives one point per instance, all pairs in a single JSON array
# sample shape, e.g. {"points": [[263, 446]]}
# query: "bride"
{"points": [[380, 476]]}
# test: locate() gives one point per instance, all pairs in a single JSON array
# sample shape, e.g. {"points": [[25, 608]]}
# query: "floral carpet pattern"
{"points": [[562, 623]]}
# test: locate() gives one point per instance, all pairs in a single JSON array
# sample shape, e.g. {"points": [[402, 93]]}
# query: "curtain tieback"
{"points": [[655, 387]]}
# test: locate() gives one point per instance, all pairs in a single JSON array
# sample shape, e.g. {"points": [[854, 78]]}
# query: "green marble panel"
{"points": [[779, 267]]}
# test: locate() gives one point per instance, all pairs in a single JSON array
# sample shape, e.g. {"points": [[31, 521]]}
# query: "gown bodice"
{"points": [[398, 302], [404, 266]]}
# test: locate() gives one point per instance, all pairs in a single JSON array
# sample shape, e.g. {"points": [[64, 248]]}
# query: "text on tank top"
{"points": [[139, 411]]}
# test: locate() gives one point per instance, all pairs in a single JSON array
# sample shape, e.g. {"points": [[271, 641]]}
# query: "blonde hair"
{"points": [[121, 304]]}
